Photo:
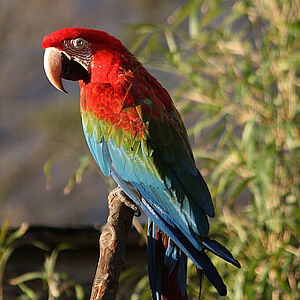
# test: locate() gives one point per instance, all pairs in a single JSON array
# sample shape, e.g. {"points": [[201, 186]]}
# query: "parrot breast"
{"points": [[102, 107]]}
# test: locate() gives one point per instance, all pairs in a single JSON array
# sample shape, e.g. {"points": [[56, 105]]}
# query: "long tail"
{"points": [[167, 266]]}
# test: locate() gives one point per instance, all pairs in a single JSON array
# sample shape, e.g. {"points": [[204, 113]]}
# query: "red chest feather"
{"points": [[114, 104]]}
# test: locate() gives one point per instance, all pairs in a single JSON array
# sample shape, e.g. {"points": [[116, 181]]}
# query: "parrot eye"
{"points": [[78, 43]]}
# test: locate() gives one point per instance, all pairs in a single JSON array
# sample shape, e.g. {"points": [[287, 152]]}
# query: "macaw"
{"points": [[137, 136]]}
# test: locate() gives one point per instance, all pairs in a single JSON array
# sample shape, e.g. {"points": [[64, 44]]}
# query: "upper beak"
{"points": [[53, 67]]}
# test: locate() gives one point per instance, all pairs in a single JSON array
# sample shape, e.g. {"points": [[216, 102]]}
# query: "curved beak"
{"points": [[53, 67]]}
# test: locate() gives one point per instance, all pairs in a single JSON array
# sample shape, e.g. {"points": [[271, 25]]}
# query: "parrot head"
{"points": [[70, 53]]}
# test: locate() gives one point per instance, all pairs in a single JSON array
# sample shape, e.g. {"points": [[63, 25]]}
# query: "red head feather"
{"points": [[56, 38]]}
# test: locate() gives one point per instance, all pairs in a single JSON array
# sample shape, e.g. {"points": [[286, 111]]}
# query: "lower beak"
{"points": [[53, 67]]}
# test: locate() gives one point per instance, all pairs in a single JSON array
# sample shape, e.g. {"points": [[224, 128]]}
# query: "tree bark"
{"points": [[112, 248]]}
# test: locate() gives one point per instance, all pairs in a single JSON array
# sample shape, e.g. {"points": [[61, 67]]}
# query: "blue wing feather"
{"points": [[99, 152]]}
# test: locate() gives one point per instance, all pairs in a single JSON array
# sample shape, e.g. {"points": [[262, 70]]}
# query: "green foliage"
{"points": [[238, 67], [47, 169], [134, 284], [8, 243], [58, 285], [83, 164]]}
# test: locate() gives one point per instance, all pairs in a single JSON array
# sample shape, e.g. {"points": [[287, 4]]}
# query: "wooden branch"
{"points": [[112, 248]]}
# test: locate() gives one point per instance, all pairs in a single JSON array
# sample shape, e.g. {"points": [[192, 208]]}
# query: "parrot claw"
{"points": [[124, 199]]}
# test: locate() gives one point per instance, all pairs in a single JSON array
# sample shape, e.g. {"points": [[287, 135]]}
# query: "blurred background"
{"points": [[233, 70]]}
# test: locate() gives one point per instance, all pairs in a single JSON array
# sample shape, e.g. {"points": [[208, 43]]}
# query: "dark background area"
{"points": [[79, 260]]}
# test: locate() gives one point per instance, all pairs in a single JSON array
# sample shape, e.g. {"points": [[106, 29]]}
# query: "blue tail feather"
{"points": [[218, 249]]}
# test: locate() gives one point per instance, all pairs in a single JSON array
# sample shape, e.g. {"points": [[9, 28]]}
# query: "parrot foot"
{"points": [[124, 199]]}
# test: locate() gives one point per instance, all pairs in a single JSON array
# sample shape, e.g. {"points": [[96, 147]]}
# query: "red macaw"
{"points": [[137, 136]]}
